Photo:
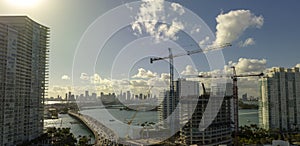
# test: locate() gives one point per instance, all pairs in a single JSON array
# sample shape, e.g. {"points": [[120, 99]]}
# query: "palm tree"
{"points": [[83, 141]]}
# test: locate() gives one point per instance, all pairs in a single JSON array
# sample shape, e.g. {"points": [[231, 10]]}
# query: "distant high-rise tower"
{"points": [[279, 104], [128, 95], [87, 94], [24, 47]]}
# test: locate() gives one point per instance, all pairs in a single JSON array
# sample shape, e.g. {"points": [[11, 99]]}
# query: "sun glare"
{"points": [[23, 3]]}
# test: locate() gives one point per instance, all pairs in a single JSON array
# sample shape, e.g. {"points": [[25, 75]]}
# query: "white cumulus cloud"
{"points": [[245, 65], [144, 74], [231, 25], [56, 90], [175, 27], [189, 70], [165, 76], [195, 30], [84, 76], [139, 83], [177, 8], [95, 79], [159, 81], [65, 77], [152, 18], [247, 42], [204, 41]]}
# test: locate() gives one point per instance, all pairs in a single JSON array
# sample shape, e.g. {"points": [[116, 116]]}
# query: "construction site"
{"points": [[217, 107], [190, 111]]}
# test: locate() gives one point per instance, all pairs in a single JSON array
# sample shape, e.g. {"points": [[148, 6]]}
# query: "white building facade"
{"points": [[279, 104]]}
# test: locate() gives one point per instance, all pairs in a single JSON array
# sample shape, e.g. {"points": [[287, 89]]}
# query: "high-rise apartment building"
{"points": [[213, 110], [23, 78], [279, 104]]}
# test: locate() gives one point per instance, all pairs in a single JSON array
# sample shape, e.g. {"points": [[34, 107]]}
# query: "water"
{"points": [[117, 120], [66, 121], [248, 116]]}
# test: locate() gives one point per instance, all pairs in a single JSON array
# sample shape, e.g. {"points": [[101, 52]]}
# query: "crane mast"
{"points": [[172, 91], [171, 76], [235, 105], [234, 78]]}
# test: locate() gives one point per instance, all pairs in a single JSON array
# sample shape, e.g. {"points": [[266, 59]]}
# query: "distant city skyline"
{"points": [[273, 44]]}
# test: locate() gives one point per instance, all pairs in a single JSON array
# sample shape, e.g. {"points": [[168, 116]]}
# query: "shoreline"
{"points": [[102, 134], [81, 120]]}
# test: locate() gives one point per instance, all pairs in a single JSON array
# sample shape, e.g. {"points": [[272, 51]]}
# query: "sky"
{"points": [[263, 34]]}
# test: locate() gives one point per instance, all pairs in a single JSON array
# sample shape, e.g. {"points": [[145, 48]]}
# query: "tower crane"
{"points": [[171, 61], [234, 78]]}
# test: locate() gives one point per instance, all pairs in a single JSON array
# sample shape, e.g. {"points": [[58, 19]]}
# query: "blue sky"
{"points": [[277, 40]]}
